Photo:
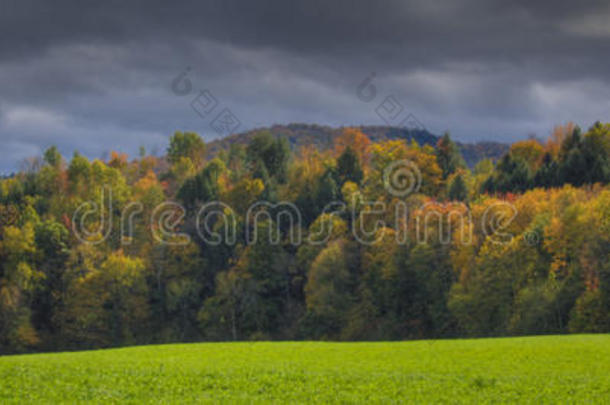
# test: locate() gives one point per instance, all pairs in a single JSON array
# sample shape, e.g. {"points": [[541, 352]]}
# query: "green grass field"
{"points": [[535, 370]]}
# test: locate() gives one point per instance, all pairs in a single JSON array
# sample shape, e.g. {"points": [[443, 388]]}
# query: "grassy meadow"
{"points": [[546, 369]]}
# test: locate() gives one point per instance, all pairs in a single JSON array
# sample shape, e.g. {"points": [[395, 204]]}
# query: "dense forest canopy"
{"points": [[388, 239]]}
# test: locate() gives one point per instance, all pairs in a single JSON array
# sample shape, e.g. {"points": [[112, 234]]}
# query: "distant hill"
{"points": [[322, 137]]}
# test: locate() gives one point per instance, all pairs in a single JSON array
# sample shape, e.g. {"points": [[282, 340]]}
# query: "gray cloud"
{"points": [[98, 77]]}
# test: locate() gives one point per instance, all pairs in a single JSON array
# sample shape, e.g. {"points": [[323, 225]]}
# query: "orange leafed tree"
{"points": [[560, 132], [356, 140]]}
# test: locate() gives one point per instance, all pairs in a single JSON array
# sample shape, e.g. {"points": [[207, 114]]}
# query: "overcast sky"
{"points": [[99, 78]]}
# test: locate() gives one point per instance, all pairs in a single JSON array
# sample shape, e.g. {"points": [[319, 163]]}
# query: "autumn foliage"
{"points": [[518, 246]]}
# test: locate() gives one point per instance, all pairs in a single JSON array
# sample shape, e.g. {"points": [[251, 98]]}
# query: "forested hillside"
{"points": [[354, 238], [322, 137]]}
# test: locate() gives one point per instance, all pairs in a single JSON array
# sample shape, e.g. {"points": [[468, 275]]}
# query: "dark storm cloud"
{"points": [[95, 77]]}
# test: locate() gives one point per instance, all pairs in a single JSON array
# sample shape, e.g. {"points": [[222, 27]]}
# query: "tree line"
{"points": [[548, 273]]}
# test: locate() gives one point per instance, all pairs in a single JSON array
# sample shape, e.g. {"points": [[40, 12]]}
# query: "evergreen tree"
{"points": [[548, 173], [510, 175], [573, 167], [458, 190], [448, 156], [348, 167]]}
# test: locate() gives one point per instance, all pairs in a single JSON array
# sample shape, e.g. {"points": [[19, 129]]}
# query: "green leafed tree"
{"points": [[448, 156], [327, 291], [186, 144]]}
